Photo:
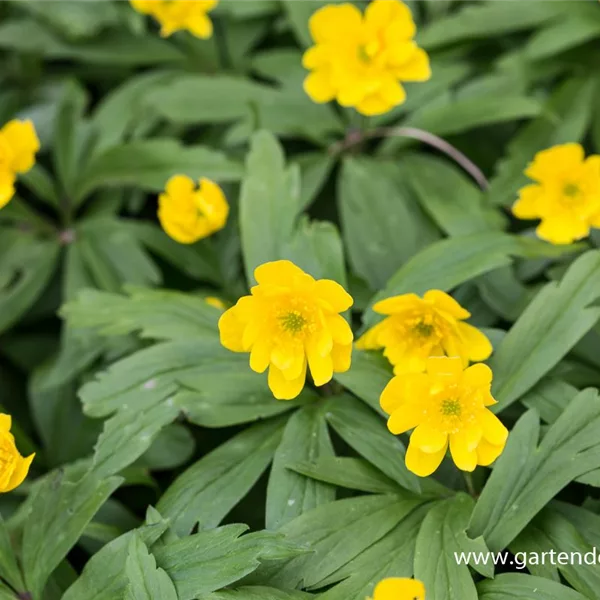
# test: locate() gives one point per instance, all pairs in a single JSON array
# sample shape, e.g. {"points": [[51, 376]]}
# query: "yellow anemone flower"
{"points": [[417, 328], [399, 588], [18, 145], [566, 195], [176, 15], [188, 214], [445, 406], [290, 320], [13, 467], [361, 60]]}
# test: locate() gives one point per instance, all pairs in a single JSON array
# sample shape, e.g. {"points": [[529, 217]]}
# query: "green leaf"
{"points": [[465, 212], [298, 14], [565, 119], [146, 581], [148, 164], [557, 318], [119, 48], [9, 567], [385, 232], [315, 168], [351, 473], [154, 314], [173, 446], [289, 494], [210, 488], [38, 180], [269, 202], [585, 521], [209, 560], [486, 20], [59, 512], [26, 266], [442, 534], [257, 592], [508, 586], [550, 531], [104, 577], [550, 397], [391, 556], [527, 476], [337, 532], [362, 429]]}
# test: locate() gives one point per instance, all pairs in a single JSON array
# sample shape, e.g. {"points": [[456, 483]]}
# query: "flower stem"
{"points": [[470, 485]]}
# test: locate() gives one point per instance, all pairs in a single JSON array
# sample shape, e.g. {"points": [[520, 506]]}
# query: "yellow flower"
{"points": [[215, 302], [360, 60], [18, 145], [290, 319], [399, 588], [13, 467], [188, 214], [419, 328], [566, 195], [175, 15], [445, 405]]}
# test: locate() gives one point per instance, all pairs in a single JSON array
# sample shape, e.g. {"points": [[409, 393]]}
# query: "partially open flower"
{"points": [[176, 15], [417, 328], [399, 588], [13, 467], [188, 214], [445, 406], [566, 195], [18, 145], [290, 321], [361, 60]]}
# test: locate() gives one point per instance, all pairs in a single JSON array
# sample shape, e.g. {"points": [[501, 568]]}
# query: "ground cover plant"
{"points": [[299, 299]]}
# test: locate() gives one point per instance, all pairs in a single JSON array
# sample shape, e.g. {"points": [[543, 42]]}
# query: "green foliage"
{"points": [[111, 364]]}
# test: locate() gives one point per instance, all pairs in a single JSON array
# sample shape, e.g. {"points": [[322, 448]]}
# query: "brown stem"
{"points": [[423, 136]]}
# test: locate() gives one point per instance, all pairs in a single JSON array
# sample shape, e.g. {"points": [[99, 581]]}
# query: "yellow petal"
{"points": [[563, 230], [200, 25], [20, 472], [318, 85], [421, 463], [180, 185], [339, 329], [231, 330], [341, 357], [527, 206], [392, 92], [315, 57], [399, 588], [417, 68], [487, 453], [212, 203], [428, 439], [402, 389], [549, 163], [477, 345], [493, 429], [260, 355], [321, 365], [464, 457], [333, 295], [379, 14], [371, 339], [447, 303], [282, 388], [374, 104], [478, 376], [5, 423], [23, 142], [397, 304], [442, 365], [7, 187], [282, 273], [405, 418], [335, 23]]}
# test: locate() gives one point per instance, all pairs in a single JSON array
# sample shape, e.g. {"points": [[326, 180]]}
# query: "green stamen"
{"points": [[423, 329], [451, 408], [293, 322]]}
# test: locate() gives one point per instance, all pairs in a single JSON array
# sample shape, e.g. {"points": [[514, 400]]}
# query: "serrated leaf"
{"points": [[362, 429], [508, 586], [148, 164], [351, 473], [103, 577], [527, 476], [256, 592], [154, 314], [59, 512], [210, 488], [554, 321], [289, 494], [371, 229], [146, 581], [441, 537]]}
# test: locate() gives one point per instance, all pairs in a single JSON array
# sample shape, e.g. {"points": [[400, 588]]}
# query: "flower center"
{"points": [[423, 329], [293, 321], [363, 55], [571, 190], [451, 407]]}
